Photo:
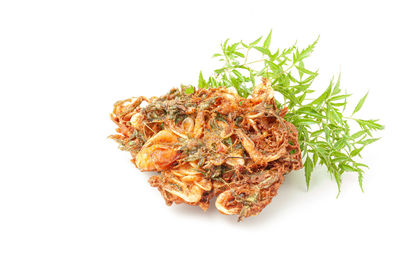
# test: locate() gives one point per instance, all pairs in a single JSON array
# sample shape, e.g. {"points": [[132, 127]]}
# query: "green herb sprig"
{"points": [[325, 136]]}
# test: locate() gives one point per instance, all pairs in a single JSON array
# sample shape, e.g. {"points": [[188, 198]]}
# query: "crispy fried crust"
{"points": [[211, 143]]}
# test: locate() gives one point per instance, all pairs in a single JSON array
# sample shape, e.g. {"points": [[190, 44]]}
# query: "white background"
{"points": [[67, 192]]}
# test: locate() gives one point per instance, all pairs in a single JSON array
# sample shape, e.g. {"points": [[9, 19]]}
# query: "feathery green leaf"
{"points": [[324, 134], [360, 103]]}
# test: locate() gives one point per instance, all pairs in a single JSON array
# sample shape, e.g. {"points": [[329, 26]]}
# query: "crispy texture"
{"points": [[211, 143]]}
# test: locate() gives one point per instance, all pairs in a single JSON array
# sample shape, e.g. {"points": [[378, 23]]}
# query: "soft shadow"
{"points": [[291, 193], [196, 211]]}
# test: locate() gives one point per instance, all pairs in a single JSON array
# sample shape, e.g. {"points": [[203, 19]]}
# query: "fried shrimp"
{"points": [[158, 152], [211, 143]]}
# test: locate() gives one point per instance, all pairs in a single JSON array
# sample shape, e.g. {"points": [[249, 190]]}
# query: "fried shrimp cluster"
{"points": [[211, 142]]}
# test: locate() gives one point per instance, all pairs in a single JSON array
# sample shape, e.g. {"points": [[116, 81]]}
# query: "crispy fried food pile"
{"points": [[211, 142]]}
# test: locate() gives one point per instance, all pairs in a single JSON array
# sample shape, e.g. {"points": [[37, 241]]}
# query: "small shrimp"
{"points": [[188, 124], [199, 124], [137, 120], [252, 115], [189, 193], [223, 201], [254, 125], [185, 170], [121, 109], [191, 178], [255, 154], [230, 94], [156, 157], [204, 184], [263, 91], [189, 174], [162, 137], [226, 131], [235, 158], [158, 152]]}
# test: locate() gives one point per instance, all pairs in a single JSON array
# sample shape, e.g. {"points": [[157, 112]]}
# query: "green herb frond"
{"points": [[325, 136]]}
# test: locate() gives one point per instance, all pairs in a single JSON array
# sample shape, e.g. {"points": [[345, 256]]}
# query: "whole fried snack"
{"points": [[211, 142]]}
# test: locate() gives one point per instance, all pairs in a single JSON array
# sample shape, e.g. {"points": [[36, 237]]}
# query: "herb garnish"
{"points": [[325, 136]]}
